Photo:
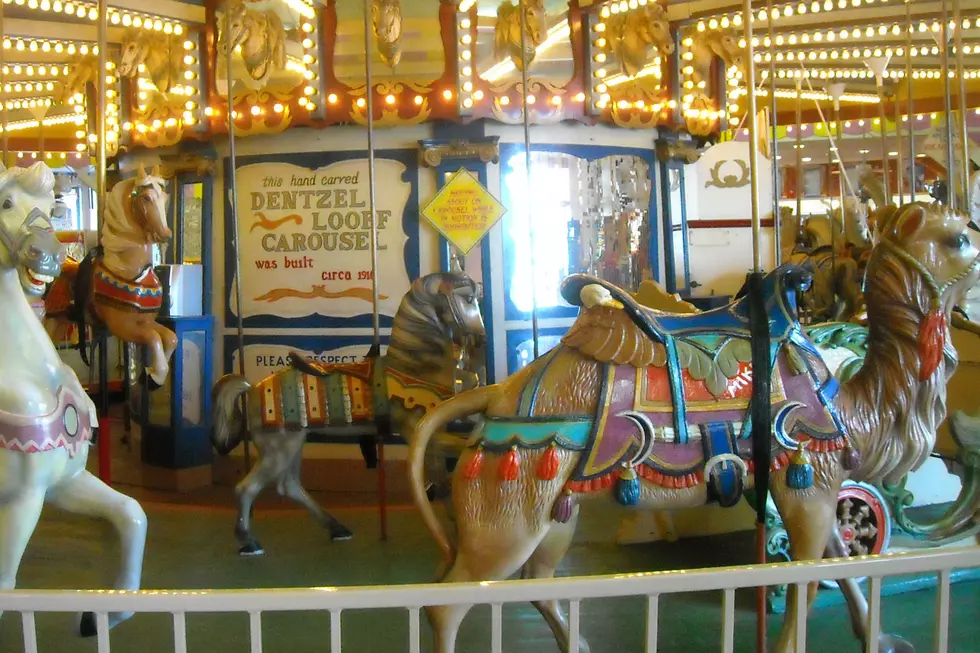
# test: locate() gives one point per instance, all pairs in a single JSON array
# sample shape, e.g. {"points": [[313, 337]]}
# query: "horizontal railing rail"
{"points": [[652, 585]]}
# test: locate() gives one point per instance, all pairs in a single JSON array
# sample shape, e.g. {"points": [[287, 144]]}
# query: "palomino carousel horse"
{"points": [[161, 55], [380, 395], [632, 33], [115, 286], [261, 36], [46, 419], [651, 408], [507, 32], [386, 19]]}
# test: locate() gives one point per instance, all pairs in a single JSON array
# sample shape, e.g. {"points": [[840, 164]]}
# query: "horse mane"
{"points": [[419, 339], [37, 180], [887, 403]]}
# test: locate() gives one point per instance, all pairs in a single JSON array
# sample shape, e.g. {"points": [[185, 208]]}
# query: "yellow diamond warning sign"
{"points": [[463, 211]]}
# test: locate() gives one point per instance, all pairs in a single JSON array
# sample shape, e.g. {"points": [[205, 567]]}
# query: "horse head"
{"points": [[27, 239], [534, 20], [83, 70], [455, 299], [656, 29], [135, 49], [386, 18], [239, 25], [149, 205]]}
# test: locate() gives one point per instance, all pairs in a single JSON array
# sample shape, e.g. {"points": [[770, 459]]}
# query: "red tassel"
{"points": [[932, 341], [509, 466], [474, 465], [548, 465]]}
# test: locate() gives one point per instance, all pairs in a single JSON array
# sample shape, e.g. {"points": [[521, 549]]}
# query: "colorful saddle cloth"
{"points": [[668, 420], [142, 295]]}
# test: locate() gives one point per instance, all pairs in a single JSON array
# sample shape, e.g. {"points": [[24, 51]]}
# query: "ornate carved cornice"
{"points": [[680, 151], [432, 152]]}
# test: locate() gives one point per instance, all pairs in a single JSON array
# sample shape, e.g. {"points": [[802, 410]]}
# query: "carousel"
{"points": [[458, 278]]}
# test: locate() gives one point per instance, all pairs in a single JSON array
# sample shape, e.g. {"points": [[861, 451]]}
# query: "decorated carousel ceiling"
{"points": [[634, 63]]}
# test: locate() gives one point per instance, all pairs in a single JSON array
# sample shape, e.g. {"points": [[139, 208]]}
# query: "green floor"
{"points": [[192, 547]]}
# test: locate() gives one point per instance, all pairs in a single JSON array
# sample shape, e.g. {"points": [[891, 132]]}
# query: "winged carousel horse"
{"points": [[262, 39], [381, 395], [652, 410], [115, 287], [84, 70], [632, 33], [159, 54], [46, 418], [507, 41], [386, 20]]}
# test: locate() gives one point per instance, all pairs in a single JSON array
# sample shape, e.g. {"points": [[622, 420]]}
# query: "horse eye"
{"points": [[960, 242], [8, 204]]}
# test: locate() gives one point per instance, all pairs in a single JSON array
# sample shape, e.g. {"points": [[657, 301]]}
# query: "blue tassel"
{"points": [[799, 475], [628, 487]]}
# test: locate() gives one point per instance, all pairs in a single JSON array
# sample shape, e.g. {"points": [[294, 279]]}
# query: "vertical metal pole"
{"points": [[233, 203], [885, 159], [909, 100], [3, 114], [527, 171], [947, 103], [750, 117], [369, 93], [40, 136], [799, 150], [774, 148], [964, 139], [900, 181], [105, 441]]}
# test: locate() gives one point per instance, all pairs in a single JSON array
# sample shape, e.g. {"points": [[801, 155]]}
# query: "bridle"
{"points": [[139, 211], [14, 242]]}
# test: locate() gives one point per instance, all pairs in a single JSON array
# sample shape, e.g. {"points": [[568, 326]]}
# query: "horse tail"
{"points": [[462, 405], [80, 295], [229, 425]]}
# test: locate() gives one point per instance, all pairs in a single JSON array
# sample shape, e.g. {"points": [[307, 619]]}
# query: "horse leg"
{"points": [[167, 338], [857, 605], [482, 555], [542, 564], [294, 489], [809, 520], [84, 494], [18, 518], [273, 462], [128, 327]]}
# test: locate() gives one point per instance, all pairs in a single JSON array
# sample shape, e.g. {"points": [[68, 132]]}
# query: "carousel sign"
{"points": [[463, 210], [305, 236]]}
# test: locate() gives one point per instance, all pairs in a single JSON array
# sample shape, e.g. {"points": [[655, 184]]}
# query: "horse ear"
{"points": [[156, 171], [140, 172], [907, 222]]}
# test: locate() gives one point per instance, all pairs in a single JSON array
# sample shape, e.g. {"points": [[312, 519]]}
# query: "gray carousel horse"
{"points": [[437, 322]]}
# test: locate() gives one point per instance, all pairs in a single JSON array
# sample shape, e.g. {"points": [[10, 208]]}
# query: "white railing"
{"points": [[413, 598]]}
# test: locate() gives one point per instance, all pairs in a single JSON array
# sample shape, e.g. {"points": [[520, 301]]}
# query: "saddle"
{"points": [[779, 289]]}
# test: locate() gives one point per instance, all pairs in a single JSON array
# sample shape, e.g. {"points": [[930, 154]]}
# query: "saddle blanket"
{"points": [[143, 295], [294, 400], [68, 426]]}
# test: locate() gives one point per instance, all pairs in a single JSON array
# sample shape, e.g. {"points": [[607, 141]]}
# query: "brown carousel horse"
{"points": [[115, 286], [381, 395], [651, 408]]}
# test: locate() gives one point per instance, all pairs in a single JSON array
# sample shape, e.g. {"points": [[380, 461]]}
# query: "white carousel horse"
{"points": [[46, 419]]}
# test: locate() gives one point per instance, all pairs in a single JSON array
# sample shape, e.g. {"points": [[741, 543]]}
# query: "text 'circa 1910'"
{"points": [[306, 237]]}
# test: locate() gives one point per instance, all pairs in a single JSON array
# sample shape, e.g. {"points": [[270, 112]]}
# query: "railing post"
{"points": [[255, 631], [874, 614], [942, 613], [802, 608], [653, 622], [180, 632], [496, 628], [30, 632], [414, 631], [335, 631], [573, 625], [728, 622], [102, 631]]}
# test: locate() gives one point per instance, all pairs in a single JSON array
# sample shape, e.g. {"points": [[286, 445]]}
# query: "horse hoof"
{"points": [[150, 382], [250, 549], [341, 534], [894, 644], [86, 627]]}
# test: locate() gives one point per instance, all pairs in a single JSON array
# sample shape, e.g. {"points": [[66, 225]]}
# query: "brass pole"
{"points": [[908, 99], [527, 170], [750, 117], [799, 149], [233, 204], [964, 138], [774, 148], [885, 159], [900, 181], [100, 89], [3, 117], [952, 200], [368, 80]]}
